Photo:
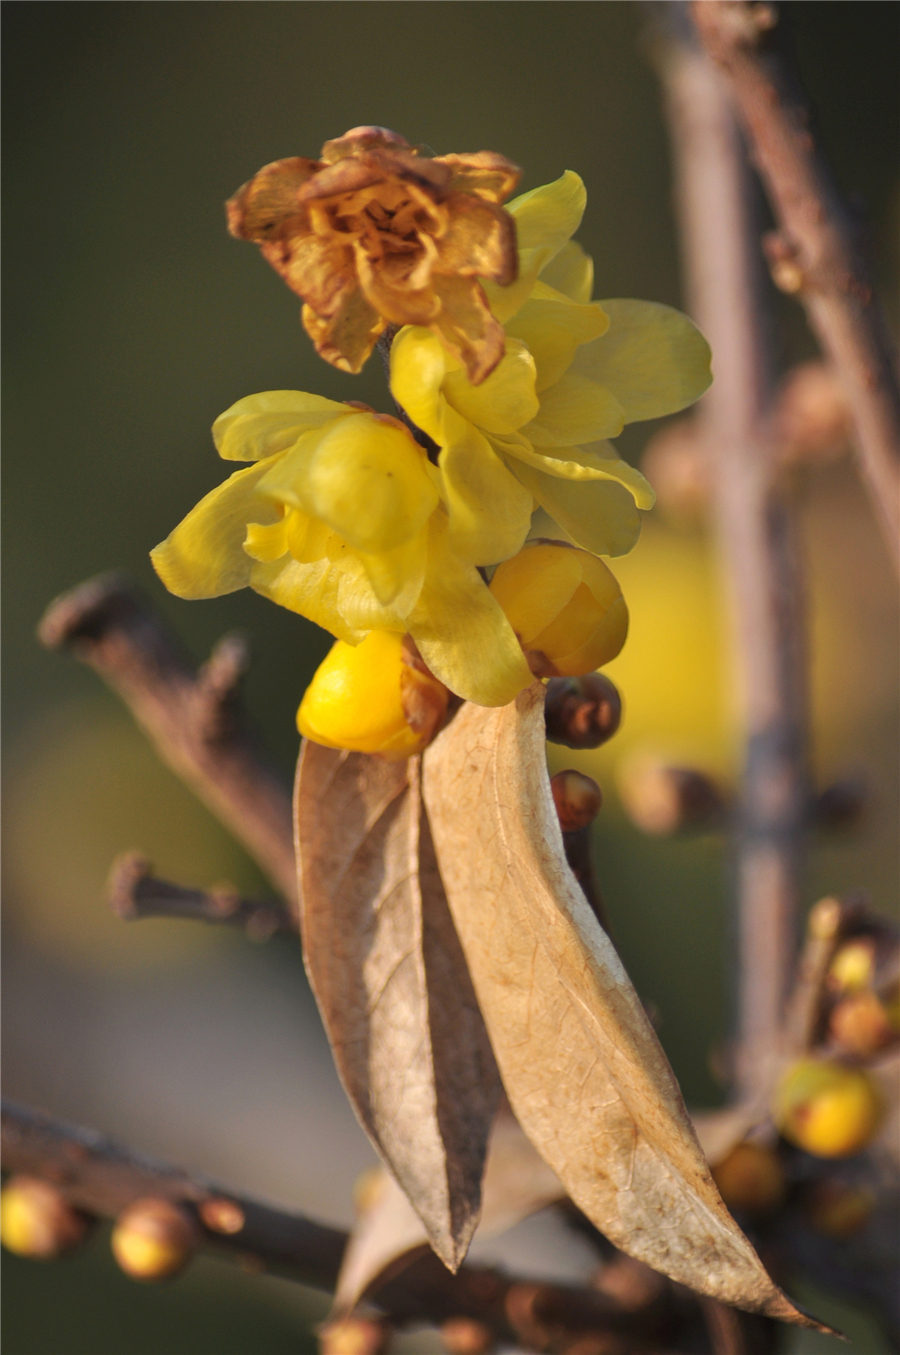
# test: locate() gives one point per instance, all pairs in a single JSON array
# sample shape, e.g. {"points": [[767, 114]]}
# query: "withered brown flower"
{"points": [[376, 233]]}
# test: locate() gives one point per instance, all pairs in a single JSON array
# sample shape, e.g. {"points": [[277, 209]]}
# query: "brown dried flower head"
{"points": [[376, 233]]}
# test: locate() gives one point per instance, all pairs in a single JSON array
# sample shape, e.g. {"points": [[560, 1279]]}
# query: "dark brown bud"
{"points": [[153, 1239], [577, 798], [661, 799], [465, 1336], [751, 1177], [840, 805], [36, 1220], [839, 1209], [354, 1336], [582, 712]]}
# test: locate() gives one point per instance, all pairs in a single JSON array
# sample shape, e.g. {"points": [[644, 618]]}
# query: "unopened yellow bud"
{"points": [[374, 697], [862, 1024], [751, 1177], [565, 606], [827, 1109], [853, 966], [154, 1239], [36, 1221]]}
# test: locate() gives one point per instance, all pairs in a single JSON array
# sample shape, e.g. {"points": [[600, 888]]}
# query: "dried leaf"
{"points": [[392, 985], [389, 1234], [582, 1067]]}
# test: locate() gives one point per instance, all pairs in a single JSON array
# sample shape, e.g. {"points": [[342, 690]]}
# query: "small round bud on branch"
{"points": [[36, 1221], [827, 1109], [661, 799], [221, 1215], [752, 1178], [812, 419], [354, 1336], [582, 712], [863, 1025], [465, 1336], [577, 798], [154, 1239], [839, 1209]]}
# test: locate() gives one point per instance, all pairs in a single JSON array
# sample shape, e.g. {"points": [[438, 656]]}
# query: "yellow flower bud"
{"points": [[853, 966], [827, 1109], [154, 1239], [751, 1177], [36, 1221], [374, 697], [565, 606]]}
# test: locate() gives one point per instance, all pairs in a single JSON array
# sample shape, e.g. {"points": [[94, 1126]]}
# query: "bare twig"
{"points": [[814, 254], [723, 1325], [134, 892], [755, 531], [193, 720], [100, 1178]]}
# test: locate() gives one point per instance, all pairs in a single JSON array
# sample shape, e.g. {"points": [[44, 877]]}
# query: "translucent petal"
{"points": [[461, 631], [505, 400], [261, 424], [489, 510], [600, 516], [365, 477], [266, 543], [597, 462], [535, 586], [545, 219], [204, 557], [554, 327], [396, 575], [418, 367], [571, 272], [652, 358], [575, 409]]}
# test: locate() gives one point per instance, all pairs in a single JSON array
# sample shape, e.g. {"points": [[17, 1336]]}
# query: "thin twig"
{"points": [[723, 1325], [815, 254], [101, 1178], [134, 893], [756, 535], [193, 720]]}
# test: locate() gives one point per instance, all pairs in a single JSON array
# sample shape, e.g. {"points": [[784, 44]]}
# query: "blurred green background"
{"points": [[131, 321]]}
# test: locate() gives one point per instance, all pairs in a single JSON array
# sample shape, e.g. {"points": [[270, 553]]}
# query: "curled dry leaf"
{"points": [[391, 982], [389, 1233], [582, 1067]]}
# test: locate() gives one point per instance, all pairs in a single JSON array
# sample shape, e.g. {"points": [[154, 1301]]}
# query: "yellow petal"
{"points": [[600, 516], [461, 631], [575, 409], [204, 557], [545, 219], [418, 367], [396, 575], [571, 272], [554, 327], [365, 477], [535, 586], [266, 543], [269, 422], [599, 461], [505, 400], [489, 510], [652, 358]]}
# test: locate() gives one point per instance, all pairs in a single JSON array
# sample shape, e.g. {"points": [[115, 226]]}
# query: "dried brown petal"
{"points": [[392, 985], [581, 1064]]}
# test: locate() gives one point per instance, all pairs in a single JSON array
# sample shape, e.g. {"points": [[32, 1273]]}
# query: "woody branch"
{"points": [[814, 253]]}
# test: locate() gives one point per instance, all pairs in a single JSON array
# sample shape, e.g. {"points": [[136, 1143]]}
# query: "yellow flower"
{"points": [[339, 519], [373, 698], [376, 232], [574, 372], [565, 607]]}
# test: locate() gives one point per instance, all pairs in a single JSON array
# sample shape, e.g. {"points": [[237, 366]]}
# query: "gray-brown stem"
{"points": [[193, 719]]}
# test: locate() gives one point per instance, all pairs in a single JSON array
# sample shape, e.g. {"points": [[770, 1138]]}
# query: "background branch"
{"points": [[97, 1176], [134, 893], [815, 254], [193, 719], [755, 530]]}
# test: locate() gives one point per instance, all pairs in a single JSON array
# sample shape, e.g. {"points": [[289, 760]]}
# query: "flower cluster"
{"points": [[509, 387]]}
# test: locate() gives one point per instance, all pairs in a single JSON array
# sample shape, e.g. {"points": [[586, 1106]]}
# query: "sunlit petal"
{"points": [[571, 272], [505, 400], [489, 510], [260, 425], [575, 410], [601, 516]]}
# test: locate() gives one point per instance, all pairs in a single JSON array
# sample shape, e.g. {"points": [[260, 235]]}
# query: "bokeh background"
{"points": [[131, 321]]}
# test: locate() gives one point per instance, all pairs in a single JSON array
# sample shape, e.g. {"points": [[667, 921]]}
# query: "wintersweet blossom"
{"points": [[574, 372], [340, 518], [375, 231]]}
